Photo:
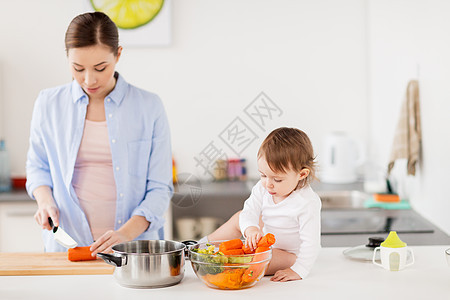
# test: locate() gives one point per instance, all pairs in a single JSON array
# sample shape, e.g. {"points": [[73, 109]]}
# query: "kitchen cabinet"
{"points": [[19, 232]]}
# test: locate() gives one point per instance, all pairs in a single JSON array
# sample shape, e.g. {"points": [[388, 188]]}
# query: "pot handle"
{"points": [[188, 243], [113, 260]]}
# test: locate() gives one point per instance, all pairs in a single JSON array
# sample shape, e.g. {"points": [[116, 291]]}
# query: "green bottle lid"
{"points": [[393, 241]]}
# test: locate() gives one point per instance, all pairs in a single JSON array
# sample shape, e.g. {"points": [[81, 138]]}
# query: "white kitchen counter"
{"points": [[333, 277]]}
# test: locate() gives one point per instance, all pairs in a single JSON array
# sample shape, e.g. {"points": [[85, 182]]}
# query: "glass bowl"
{"points": [[228, 272]]}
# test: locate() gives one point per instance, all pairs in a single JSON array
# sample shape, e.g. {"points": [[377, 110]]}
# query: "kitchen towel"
{"points": [[407, 138]]}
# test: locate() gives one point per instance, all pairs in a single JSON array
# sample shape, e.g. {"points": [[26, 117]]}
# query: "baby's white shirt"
{"points": [[295, 222]]}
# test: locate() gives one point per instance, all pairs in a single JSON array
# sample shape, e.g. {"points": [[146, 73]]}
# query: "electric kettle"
{"points": [[340, 160]]}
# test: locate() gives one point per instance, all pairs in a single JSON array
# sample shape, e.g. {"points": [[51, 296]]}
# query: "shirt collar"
{"points": [[117, 94], [78, 94]]}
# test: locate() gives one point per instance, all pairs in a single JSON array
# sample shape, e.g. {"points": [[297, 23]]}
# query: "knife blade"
{"points": [[61, 237]]}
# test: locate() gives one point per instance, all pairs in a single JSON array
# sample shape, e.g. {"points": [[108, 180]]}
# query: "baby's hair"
{"points": [[287, 149]]}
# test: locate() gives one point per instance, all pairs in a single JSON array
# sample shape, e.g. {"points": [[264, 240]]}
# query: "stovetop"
{"points": [[372, 221]]}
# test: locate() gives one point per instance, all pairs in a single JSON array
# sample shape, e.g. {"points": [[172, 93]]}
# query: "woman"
{"points": [[99, 162]]}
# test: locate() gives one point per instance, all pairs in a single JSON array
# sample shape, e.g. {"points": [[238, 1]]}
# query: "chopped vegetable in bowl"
{"points": [[222, 271]]}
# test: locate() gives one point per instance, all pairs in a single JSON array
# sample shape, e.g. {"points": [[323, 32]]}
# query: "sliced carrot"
{"points": [[80, 253], [255, 270], [262, 249], [247, 250], [233, 252], [267, 240], [228, 279], [231, 244]]}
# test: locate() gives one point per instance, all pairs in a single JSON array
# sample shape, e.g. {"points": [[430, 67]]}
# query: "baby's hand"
{"points": [[285, 275], [252, 236]]}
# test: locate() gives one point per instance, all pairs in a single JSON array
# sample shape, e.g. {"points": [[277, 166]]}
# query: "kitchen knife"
{"points": [[61, 237]]}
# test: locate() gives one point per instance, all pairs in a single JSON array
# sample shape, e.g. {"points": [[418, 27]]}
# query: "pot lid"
{"points": [[364, 252]]}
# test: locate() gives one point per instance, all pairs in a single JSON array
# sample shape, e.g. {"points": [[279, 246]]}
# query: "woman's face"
{"points": [[93, 68]]}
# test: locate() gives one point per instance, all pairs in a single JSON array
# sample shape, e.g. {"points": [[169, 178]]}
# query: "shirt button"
{"points": [[117, 168], [120, 221], [121, 194], [109, 99], [113, 141], [110, 115]]}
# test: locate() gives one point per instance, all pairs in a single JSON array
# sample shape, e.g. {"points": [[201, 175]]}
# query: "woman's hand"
{"points": [[285, 275], [252, 236], [46, 207], [128, 232], [106, 241]]}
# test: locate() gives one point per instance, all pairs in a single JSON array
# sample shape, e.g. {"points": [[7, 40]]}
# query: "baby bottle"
{"points": [[394, 253]]}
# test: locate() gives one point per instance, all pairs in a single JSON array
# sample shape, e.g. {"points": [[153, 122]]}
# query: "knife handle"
{"points": [[52, 225]]}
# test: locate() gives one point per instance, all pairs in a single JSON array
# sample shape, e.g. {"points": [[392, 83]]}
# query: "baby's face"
{"points": [[279, 185]]}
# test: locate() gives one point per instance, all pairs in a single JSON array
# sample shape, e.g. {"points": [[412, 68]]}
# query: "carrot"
{"points": [[80, 253], [262, 249], [253, 272], [233, 252], [228, 279], [231, 244], [267, 240], [247, 250]]}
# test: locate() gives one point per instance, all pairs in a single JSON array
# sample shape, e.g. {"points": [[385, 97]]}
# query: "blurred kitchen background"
{"points": [[327, 65]]}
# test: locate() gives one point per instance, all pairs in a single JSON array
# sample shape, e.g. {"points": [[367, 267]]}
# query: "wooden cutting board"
{"points": [[12, 264]]}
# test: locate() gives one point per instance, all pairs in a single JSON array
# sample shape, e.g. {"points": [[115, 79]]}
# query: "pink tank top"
{"points": [[93, 178]]}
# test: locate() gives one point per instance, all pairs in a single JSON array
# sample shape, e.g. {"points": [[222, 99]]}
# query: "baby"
{"points": [[281, 203]]}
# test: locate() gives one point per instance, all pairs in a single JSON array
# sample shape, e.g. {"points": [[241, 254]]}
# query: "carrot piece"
{"points": [[253, 272], [228, 279], [231, 244], [267, 240], [233, 252], [80, 253], [222, 248], [247, 250], [262, 249]]}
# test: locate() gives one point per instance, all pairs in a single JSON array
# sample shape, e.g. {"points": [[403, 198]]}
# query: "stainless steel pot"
{"points": [[147, 263]]}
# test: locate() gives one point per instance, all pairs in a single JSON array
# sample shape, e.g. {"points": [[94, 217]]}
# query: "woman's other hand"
{"points": [[134, 227], [104, 243], [46, 207], [285, 275], [252, 236]]}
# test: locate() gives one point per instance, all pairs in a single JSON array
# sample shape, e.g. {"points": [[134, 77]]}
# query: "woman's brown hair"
{"points": [[287, 149], [90, 29]]}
